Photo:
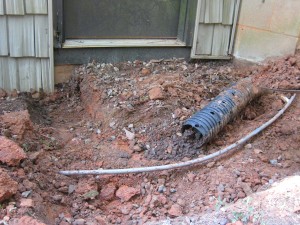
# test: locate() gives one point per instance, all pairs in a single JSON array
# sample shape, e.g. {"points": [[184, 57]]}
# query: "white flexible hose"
{"points": [[187, 163]]}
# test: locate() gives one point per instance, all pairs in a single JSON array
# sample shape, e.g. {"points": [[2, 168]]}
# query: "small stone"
{"points": [[257, 151], [145, 71], [161, 189], [112, 138], [36, 95], [173, 190], [125, 209], [87, 141], [79, 108], [26, 202], [125, 193], [71, 189], [112, 124], [10, 152], [98, 131], [116, 69], [241, 195], [191, 177], [57, 198], [137, 148], [273, 162], [223, 221], [3, 93], [156, 93], [248, 146], [221, 188], [246, 188], [130, 126], [8, 187], [129, 135], [25, 194], [14, 93], [79, 222], [210, 165], [101, 220], [92, 194], [220, 168], [181, 202], [107, 192], [175, 211]]}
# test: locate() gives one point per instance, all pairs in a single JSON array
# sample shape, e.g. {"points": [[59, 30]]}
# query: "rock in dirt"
{"points": [[108, 192], [3, 93], [101, 220], [156, 93], [17, 122], [210, 164], [125, 193], [145, 71], [8, 187], [26, 220], [85, 186], [175, 210], [26, 202], [129, 135], [10, 152]]}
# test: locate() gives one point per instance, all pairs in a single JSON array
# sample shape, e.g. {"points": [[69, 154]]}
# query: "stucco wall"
{"points": [[267, 28]]}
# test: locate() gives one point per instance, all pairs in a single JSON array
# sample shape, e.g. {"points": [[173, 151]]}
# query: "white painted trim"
{"points": [[51, 45], [193, 51], [102, 43], [234, 25]]}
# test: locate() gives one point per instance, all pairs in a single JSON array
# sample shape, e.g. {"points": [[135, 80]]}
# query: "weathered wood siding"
{"points": [[214, 28], [25, 54]]}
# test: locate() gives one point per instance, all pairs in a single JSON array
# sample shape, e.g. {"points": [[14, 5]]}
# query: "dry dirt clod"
{"points": [[108, 192], [125, 193], [10, 152], [8, 187], [3, 93], [175, 211], [156, 93]]}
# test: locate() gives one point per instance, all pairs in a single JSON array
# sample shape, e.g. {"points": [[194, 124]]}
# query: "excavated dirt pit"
{"points": [[82, 126]]}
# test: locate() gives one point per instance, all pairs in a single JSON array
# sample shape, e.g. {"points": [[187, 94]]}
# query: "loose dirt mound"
{"points": [[282, 73], [150, 100]]}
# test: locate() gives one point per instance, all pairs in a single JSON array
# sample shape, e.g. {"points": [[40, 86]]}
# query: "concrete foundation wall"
{"points": [[267, 28]]}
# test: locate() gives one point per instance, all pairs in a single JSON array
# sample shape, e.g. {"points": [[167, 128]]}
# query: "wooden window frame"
{"points": [[182, 40]]}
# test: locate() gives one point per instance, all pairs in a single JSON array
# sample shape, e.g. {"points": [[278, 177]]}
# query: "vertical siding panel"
{"points": [[202, 11], [38, 72], [3, 71], [47, 79], [36, 6], [13, 74], [1, 7], [21, 36], [204, 39], [228, 10], [27, 73], [3, 36], [14, 7], [221, 40], [41, 34], [213, 11]]}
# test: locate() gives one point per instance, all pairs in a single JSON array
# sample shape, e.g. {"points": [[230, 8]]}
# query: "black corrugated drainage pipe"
{"points": [[207, 122]]}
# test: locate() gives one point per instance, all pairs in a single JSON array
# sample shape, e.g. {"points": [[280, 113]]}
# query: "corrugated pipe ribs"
{"points": [[207, 122]]}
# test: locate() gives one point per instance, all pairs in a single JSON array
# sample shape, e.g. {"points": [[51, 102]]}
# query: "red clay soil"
{"points": [[151, 100], [282, 73]]}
